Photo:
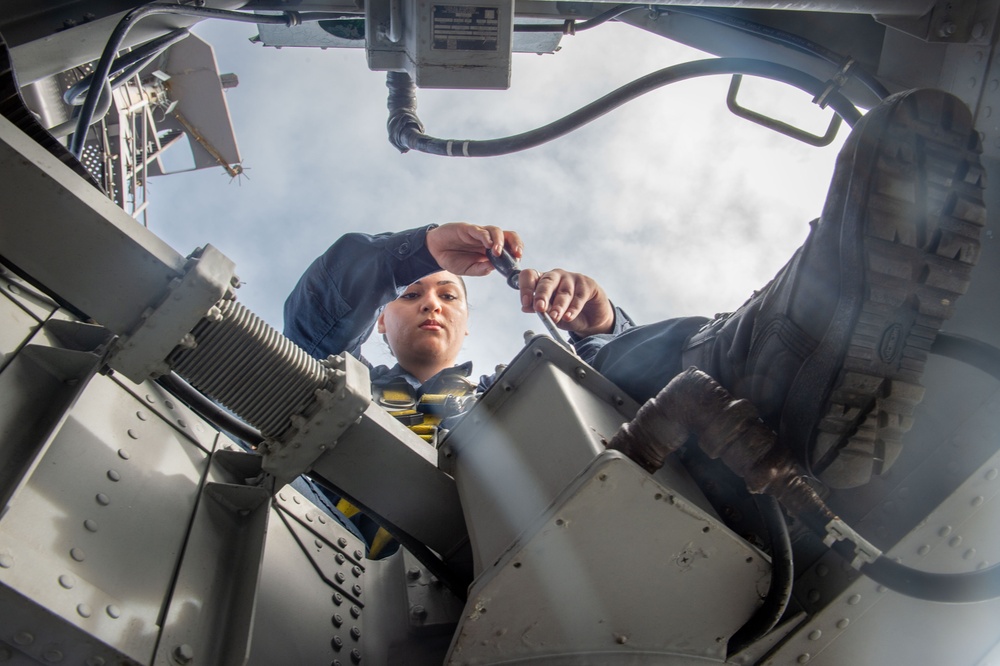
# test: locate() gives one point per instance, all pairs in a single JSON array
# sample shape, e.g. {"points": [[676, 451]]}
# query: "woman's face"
{"points": [[428, 323]]}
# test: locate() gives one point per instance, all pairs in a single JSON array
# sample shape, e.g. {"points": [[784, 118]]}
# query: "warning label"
{"points": [[462, 28]]}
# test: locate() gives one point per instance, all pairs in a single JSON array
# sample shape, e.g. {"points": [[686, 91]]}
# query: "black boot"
{"points": [[831, 351]]}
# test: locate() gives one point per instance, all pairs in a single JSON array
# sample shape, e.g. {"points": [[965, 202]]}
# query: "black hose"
{"points": [[210, 411], [571, 27], [406, 130], [788, 39], [969, 587], [976, 353], [782, 578], [103, 67]]}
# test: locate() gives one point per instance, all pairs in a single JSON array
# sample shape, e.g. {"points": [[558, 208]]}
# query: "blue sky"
{"points": [[673, 204]]}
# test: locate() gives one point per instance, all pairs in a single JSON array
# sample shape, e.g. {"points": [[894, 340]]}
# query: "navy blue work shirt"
{"points": [[336, 303]]}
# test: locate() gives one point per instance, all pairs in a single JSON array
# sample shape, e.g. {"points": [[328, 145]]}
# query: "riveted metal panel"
{"points": [[867, 623], [94, 533], [620, 570]]}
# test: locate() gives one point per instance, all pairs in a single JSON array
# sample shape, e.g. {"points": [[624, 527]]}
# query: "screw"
{"points": [[947, 29], [183, 654], [418, 613]]}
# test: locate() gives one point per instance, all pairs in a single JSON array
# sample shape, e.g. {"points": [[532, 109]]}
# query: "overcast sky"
{"points": [[673, 204]]}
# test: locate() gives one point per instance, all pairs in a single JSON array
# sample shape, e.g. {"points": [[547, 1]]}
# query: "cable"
{"points": [[210, 411], [782, 578], [788, 39], [74, 95], [406, 130], [973, 352], [103, 68], [970, 587], [570, 26]]}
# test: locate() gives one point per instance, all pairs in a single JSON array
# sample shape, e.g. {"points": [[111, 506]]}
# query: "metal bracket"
{"points": [[142, 352], [322, 422], [864, 552], [777, 125]]}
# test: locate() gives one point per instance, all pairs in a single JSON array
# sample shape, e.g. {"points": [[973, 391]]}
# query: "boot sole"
{"points": [[922, 213]]}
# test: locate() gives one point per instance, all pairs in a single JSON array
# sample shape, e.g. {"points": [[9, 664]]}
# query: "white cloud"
{"points": [[674, 205]]}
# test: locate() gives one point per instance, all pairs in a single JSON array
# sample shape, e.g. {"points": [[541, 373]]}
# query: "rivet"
{"points": [[67, 581], [24, 638], [77, 554], [132, 433], [991, 474], [113, 611], [881, 589], [183, 654], [822, 570], [355, 612], [355, 633], [150, 399], [977, 500], [356, 571], [982, 565], [295, 498], [103, 499], [842, 623], [923, 550], [342, 542], [815, 635], [141, 415], [84, 610], [182, 423], [356, 590], [944, 531], [969, 554], [13, 289], [321, 519], [319, 544], [955, 541], [339, 576], [337, 642], [358, 554], [560, 522], [580, 373], [338, 598], [340, 558], [337, 619], [52, 656], [804, 658], [123, 454], [6, 560], [281, 496], [168, 404], [413, 573], [356, 656], [114, 475], [853, 599], [813, 596], [90, 525], [621, 639], [309, 517]]}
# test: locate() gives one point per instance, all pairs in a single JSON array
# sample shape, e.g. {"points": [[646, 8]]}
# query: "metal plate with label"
{"points": [[465, 28]]}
